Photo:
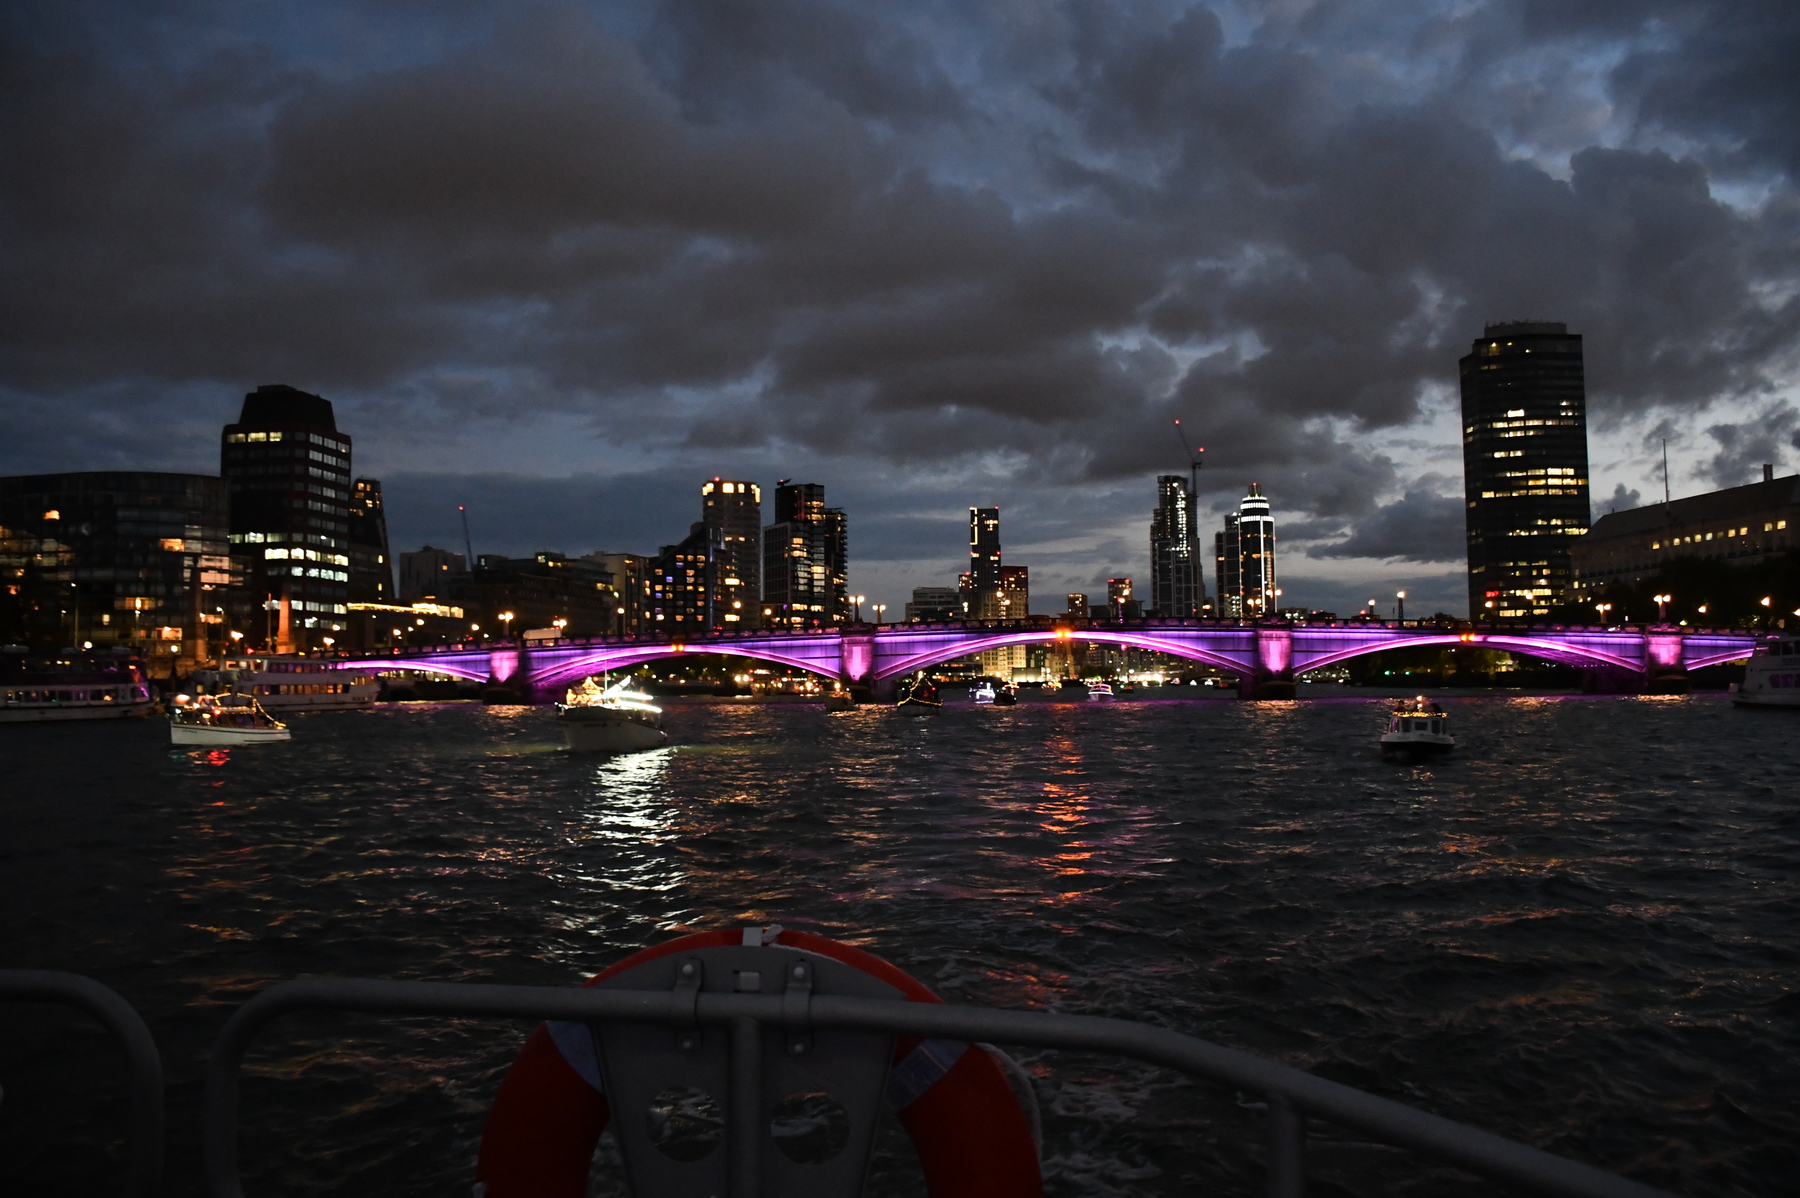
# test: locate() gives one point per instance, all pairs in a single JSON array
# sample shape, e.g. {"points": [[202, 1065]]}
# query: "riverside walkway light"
{"points": [[1662, 607]]}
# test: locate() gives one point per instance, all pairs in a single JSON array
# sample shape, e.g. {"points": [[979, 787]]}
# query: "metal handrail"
{"points": [[1292, 1094], [144, 1124]]}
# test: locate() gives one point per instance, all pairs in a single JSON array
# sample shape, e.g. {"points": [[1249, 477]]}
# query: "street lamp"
{"points": [[1373, 613], [879, 608], [858, 600], [1603, 608], [1662, 607], [1400, 605], [506, 618], [559, 624], [621, 615]]}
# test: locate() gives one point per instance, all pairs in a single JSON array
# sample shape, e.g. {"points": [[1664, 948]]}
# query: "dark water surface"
{"points": [[1579, 931]]}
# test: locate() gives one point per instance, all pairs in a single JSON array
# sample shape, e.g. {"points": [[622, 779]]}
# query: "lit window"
{"points": [[53, 514]]}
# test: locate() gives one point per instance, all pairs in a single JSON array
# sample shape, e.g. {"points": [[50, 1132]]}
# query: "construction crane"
{"points": [[1194, 464], [469, 546]]}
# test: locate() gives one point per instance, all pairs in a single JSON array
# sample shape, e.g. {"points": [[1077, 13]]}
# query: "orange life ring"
{"points": [[973, 1138]]}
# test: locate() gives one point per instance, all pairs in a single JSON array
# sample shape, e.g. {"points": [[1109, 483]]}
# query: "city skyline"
{"points": [[934, 273]]}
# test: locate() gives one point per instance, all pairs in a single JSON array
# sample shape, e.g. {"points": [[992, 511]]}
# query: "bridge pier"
{"points": [[1273, 677]]}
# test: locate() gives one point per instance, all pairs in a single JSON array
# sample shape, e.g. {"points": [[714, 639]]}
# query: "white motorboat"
{"points": [[1772, 675], [984, 692], [1100, 688], [1417, 726], [597, 718], [222, 720], [285, 683]]}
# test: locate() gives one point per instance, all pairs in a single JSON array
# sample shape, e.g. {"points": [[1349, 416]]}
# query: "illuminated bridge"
{"points": [[1265, 655]]}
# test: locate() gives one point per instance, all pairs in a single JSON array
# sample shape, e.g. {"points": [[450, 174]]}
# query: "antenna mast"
{"points": [[468, 546]]}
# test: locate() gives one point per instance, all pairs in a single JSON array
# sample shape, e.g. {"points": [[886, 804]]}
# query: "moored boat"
{"points": [[71, 686], [1772, 675], [1006, 696], [285, 683], [223, 720], [1417, 726], [597, 718]]}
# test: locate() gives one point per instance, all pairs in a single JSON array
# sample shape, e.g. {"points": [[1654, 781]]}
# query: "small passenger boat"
{"points": [[839, 699], [597, 718], [1772, 675], [1100, 688], [1417, 726], [223, 720], [921, 695], [984, 692], [1006, 696]]}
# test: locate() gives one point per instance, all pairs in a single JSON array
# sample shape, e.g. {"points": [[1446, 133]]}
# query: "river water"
{"points": [[1579, 931]]}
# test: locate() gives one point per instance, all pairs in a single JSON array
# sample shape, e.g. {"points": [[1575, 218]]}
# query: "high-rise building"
{"points": [[1229, 569], [805, 577], [1244, 556], [1177, 581], [695, 585], [984, 548], [287, 469], [1525, 467], [735, 509], [1118, 598], [1256, 553], [371, 566], [1077, 606], [1015, 592], [127, 559]]}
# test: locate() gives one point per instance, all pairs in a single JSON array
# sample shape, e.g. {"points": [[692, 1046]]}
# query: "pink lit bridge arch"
{"points": [[878, 657]]}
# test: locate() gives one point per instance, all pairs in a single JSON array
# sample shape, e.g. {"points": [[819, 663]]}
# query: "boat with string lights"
{"points": [[601, 718]]}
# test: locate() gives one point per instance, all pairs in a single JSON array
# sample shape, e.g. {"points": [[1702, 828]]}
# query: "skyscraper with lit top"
{"points": [[734, 508]]}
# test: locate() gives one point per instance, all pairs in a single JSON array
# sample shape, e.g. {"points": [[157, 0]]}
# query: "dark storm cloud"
{"points": [[1421, 526], [1026, 236]]}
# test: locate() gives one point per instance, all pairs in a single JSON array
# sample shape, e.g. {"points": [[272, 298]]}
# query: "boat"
{"points": [[921, 695], [1100, 688], [597, 718], [839, 700], [223, 720], [1006, 696], [1772, 675], [71, 686], [983, 692], [287, 682], [1417, 726]]}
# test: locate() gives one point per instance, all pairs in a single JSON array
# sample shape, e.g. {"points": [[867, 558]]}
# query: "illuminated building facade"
{"points": [[1228, 569], [1525, 466], [631, 590], [984, 549], [1120, 602], [1010, 600], [1739, 526], [128, 559], [735, 509], [1077, 606], [287, 470], [1244, 559], [1177, 581], [805, 560], [1256, 554], [371, 566], [695, 585]]}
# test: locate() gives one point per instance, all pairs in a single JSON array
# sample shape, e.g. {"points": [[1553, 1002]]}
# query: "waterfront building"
{"points": [[1011, 600], [933, 603], [1739, 526], [1228, 570], [117, 558], [430, 574], [371, 566], [805, 563], [735, 509], [287, 470], [1119, 601], [1525, 466], [695, 586], [372, 626], [1256, 554], [547, 593], [631, 590], [1177, 582], [1076, 606]]}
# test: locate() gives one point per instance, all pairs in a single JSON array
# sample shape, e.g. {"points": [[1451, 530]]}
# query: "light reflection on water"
{"points": [[1598, 890]]}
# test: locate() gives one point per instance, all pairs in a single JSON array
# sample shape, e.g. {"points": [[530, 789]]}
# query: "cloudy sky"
{"points": [[560, 262]]}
